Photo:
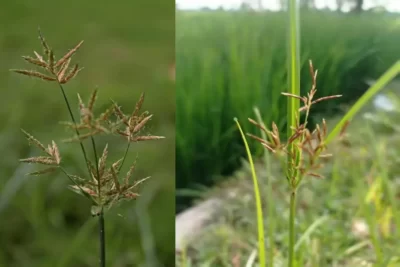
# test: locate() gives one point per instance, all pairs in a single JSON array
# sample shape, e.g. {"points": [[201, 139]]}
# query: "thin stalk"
{"points": [[102, 238], [257, 196], [291, 228], [125, 154], [270, 199], [101, 215], [76, 129]]}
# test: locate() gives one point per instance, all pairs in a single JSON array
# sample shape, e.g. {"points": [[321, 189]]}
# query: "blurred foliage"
{"points": [[349, 218], [128, 49], [229, 62]]}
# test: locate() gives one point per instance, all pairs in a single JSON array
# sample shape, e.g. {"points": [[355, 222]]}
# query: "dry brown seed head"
{"points": [[41, 160], [73, 72], [44, 171], [129, 174], [315, 175], [138, 106], [92, 100], [46, 48], [56, 153], [36, 74], [51, 62], [325, 98], [258, 125], [33, 140], [62, 70], [35, 61], [115, 178], [146, 138], [102, 161], [139, 126], [39, 57], [69, 54]]}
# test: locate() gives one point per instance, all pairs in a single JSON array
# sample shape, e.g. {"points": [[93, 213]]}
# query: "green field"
{"points": [[229, 62], [128, 49]]}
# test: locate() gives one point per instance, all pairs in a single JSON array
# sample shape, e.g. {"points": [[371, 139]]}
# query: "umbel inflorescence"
{"points": [[104, 183]]}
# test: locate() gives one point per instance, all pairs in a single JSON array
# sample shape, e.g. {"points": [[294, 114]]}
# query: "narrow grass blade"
{"points": [[388, 76], [309, 231], [260, 218]]}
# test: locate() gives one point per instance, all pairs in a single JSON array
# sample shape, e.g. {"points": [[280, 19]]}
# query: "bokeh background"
{"points": [[128, 49], [231, 56]]}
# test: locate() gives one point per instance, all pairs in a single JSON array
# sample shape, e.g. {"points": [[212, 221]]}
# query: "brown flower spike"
{"points": [[308, 155], [57, 70], [104, 185]]}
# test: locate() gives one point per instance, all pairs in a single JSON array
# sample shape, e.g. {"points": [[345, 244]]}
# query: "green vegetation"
{"points": [[230, 62], [128, 49], [371, 235], [349, 218]]}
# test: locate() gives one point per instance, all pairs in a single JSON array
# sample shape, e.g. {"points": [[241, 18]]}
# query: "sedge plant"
{"points": [[305, 151], [104, 185]]}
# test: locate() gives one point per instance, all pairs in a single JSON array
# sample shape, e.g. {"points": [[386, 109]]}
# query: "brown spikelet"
{"points": [[44, 171], [56, 153], [115, 178], [117, 164], [137, 183], [138, 106], [46, 48], [33, 140], [129, 173], [92, 100], [69, 54], [102, 161], [39, 57], [140, 125], [315, 175], [62, 70], [51, 61], [258, 125], [146, 138], [35, 61], [71, 74], [32, 73], [42, 160]]}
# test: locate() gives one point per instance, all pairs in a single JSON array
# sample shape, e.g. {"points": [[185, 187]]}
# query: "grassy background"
{"points": [[350, 218], [128, 49], [228, 62]]}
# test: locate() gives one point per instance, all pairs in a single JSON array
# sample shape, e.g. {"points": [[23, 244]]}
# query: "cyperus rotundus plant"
{"points": [[104, 184]]}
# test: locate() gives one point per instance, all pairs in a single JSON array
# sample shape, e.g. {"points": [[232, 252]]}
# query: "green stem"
{"points": [[125, 154], [76, 129], [291, 228], [102, 240], [102, 237], [101, 215]]}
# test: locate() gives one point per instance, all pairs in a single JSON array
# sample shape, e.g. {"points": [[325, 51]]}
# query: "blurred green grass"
{"points": [[128, 49], [349, 218], [229, 62]]}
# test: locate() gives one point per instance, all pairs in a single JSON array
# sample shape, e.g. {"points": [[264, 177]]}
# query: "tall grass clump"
{"points": [[239, 64], [304, 152], [104, 184]]}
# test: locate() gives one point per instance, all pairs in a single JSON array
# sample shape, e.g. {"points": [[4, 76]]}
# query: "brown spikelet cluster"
{"points": [[309, 146], [131, 126], [52, 156], [56, 70], [104, 184], [112, 120]]}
